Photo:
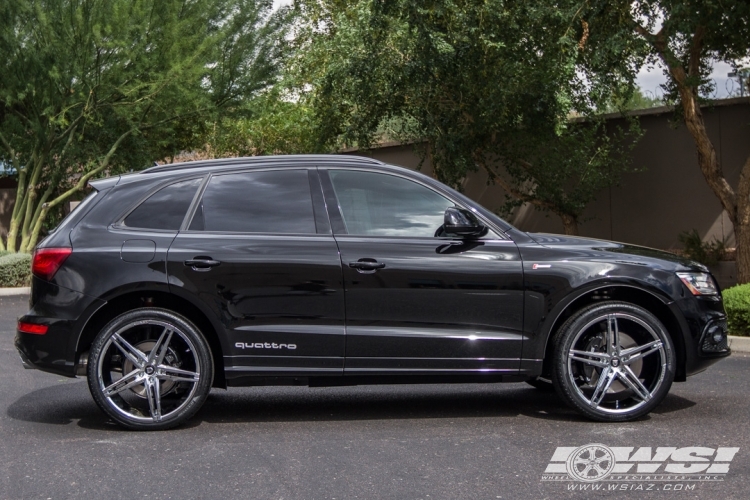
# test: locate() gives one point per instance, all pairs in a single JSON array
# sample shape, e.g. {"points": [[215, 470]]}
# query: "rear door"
{"points": [[418, 302], [259, 253]]}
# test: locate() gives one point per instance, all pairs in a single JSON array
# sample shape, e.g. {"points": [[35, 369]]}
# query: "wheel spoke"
{"points": [[631, 380], [166, 372], [640, 351], [162, 347], [605, 380], [154, 398], [586, 357], [134, 355], [613, 336], [126, 382]]}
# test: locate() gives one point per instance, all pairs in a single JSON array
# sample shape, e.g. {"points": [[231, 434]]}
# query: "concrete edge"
{"points": [[739, 344], [9, 292]]}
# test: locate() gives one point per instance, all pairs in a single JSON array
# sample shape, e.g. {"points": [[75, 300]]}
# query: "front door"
{"points": [[418, 302], [260, 254]]}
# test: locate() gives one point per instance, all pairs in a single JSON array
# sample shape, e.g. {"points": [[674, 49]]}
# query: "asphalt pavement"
{"points": [[479, 441]]}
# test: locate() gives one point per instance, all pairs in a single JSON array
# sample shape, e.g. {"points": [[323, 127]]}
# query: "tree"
{"points": [[272, 123], [687, 36], [488, 84], [636, 100], [93, 86]]}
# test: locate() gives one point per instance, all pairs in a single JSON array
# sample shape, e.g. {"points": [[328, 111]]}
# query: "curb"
{"points": [[10, 292], [739, 344]]}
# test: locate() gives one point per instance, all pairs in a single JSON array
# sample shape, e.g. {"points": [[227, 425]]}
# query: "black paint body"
{"points": [[303, 309]]}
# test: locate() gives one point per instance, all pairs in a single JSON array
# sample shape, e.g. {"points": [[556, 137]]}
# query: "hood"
{"points": [[622, 252]]}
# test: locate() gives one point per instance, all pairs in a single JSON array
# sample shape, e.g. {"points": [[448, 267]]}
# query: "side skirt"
{"points": [[339, 381]]}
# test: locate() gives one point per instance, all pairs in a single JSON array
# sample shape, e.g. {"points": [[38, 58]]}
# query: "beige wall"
{"points": [[650, 207]]}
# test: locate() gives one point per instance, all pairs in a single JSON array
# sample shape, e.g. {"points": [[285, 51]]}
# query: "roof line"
{"points": [[221, 162]]}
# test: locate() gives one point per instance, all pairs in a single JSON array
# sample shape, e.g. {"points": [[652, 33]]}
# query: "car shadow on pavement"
{"points": [[68, 403], [384, 403], [61, 405]]}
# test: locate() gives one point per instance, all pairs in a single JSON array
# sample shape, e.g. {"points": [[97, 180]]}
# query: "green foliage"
{"points": [[687, 34], [15, 270], [631, 101], [737, 307], [92, 86], [488, 84], [708, 253], [272, 124]]}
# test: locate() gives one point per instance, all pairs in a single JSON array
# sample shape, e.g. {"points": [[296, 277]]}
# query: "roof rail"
{"points": [[262, 160]]}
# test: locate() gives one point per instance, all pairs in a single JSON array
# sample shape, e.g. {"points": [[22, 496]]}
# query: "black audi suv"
{"points": [[339, 270]]}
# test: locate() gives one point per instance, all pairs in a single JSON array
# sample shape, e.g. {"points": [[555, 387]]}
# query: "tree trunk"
{"points": [[736, 203], [742, 224], [570, 224]]}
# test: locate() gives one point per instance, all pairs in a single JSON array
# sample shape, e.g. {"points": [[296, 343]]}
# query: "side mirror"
{"points": [[461, 222]]}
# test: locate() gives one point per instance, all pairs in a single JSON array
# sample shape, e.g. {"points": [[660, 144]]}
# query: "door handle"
{"points": [[202, 263], [367, 265]]}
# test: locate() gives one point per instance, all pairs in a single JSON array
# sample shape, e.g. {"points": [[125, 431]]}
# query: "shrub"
{"points": [[737, 305], [15, 270], [708, 253]]}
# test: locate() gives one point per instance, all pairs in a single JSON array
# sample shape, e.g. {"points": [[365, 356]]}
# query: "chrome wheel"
{"points": [[616, 362], [607, 367], [149, 369]]}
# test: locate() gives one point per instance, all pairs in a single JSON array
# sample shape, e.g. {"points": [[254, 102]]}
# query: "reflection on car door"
{"points": [[260, 254], [419, 303]]}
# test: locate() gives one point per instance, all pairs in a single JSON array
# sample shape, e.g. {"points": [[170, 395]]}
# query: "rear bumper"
{"points": [[25, 361], [62, 310]]}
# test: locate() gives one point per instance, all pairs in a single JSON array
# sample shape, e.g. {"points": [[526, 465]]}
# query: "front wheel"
{"points": [[150, 369], [614, 361]]}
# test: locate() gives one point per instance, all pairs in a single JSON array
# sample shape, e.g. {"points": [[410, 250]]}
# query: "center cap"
{"points": [[615, 362], [150, 370]]}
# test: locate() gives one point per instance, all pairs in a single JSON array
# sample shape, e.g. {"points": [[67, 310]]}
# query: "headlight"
{"points": [[699, 283]]}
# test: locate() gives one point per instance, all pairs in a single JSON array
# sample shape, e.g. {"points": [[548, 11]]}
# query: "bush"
{"points": [[15, 270], [708, 253], [737, 305]]}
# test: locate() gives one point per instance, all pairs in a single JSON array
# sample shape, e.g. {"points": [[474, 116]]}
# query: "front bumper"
{"points": [[702, 317]]}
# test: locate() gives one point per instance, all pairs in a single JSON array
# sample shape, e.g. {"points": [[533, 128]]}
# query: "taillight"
{"points": [[32, 328], [47, 261]]}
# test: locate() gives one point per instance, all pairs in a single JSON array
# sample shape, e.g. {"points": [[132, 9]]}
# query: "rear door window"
{"points": [[271, 201], [166, 208]]}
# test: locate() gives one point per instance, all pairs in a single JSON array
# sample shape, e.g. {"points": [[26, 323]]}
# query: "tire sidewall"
{"points": [[203, 354], [563, 342]]}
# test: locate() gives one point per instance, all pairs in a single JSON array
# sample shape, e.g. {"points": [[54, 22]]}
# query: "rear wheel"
{"points": [[150, 369], [614, 361]]}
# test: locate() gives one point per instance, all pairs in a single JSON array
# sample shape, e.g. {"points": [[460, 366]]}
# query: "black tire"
{"points": [[613, 381], [143, 376], [542, 383]]}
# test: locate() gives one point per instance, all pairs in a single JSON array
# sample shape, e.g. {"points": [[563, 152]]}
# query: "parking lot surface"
{"points": [[483, 441]]}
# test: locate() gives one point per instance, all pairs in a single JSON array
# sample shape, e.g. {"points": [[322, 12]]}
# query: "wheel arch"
{"points": [[158, 296], [660, 306]]}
